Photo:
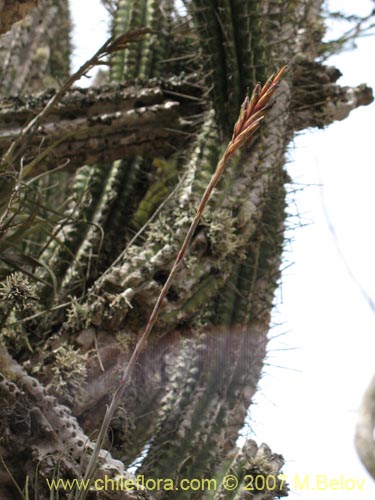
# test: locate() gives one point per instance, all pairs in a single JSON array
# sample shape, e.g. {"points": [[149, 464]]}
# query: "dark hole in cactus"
{"points": [[172, 295], [161, 276]]}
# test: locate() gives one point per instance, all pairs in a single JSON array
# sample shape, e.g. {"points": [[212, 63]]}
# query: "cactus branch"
{"points": [[19, 145]]}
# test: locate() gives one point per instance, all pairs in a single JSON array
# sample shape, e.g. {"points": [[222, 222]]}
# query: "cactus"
{"points": [[122, 224], [111, 188], [35, 53]]}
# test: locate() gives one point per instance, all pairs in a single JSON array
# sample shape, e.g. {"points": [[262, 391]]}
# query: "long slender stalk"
{"points": [[252, 113]]}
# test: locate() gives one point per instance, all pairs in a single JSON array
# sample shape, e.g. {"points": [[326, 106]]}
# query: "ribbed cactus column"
{"points": [[110, 192], [113, 201], [104, 197], [232, 270]]}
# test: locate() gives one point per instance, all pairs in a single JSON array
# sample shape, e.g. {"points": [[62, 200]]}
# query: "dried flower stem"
{"points": [[252, 113]]}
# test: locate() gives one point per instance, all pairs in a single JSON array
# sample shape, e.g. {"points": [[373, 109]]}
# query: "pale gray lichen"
{"points": [[18, 299], [78, 315], [69, 373], [222, 233], [17, 291]]}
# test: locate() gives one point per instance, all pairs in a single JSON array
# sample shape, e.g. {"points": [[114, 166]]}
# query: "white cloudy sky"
{"points": [[322, 356], [310, 414]]}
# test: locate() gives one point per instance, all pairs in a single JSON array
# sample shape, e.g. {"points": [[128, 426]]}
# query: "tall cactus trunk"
{"points": [[112, 248]]}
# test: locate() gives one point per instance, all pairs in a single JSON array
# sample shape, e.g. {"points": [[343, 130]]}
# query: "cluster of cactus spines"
{"points": [[203, 160], [117, 231], [133, 54], [247, 19]]}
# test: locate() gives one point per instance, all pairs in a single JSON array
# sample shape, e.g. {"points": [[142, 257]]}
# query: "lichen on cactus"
{"points": [[113, 255]]}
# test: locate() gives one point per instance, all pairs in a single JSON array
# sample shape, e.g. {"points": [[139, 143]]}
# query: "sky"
{"points": [[321, 353], [322, 356]]}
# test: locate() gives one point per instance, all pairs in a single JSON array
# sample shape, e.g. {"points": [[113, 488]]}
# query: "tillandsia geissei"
{"points": [[107, 251]]}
